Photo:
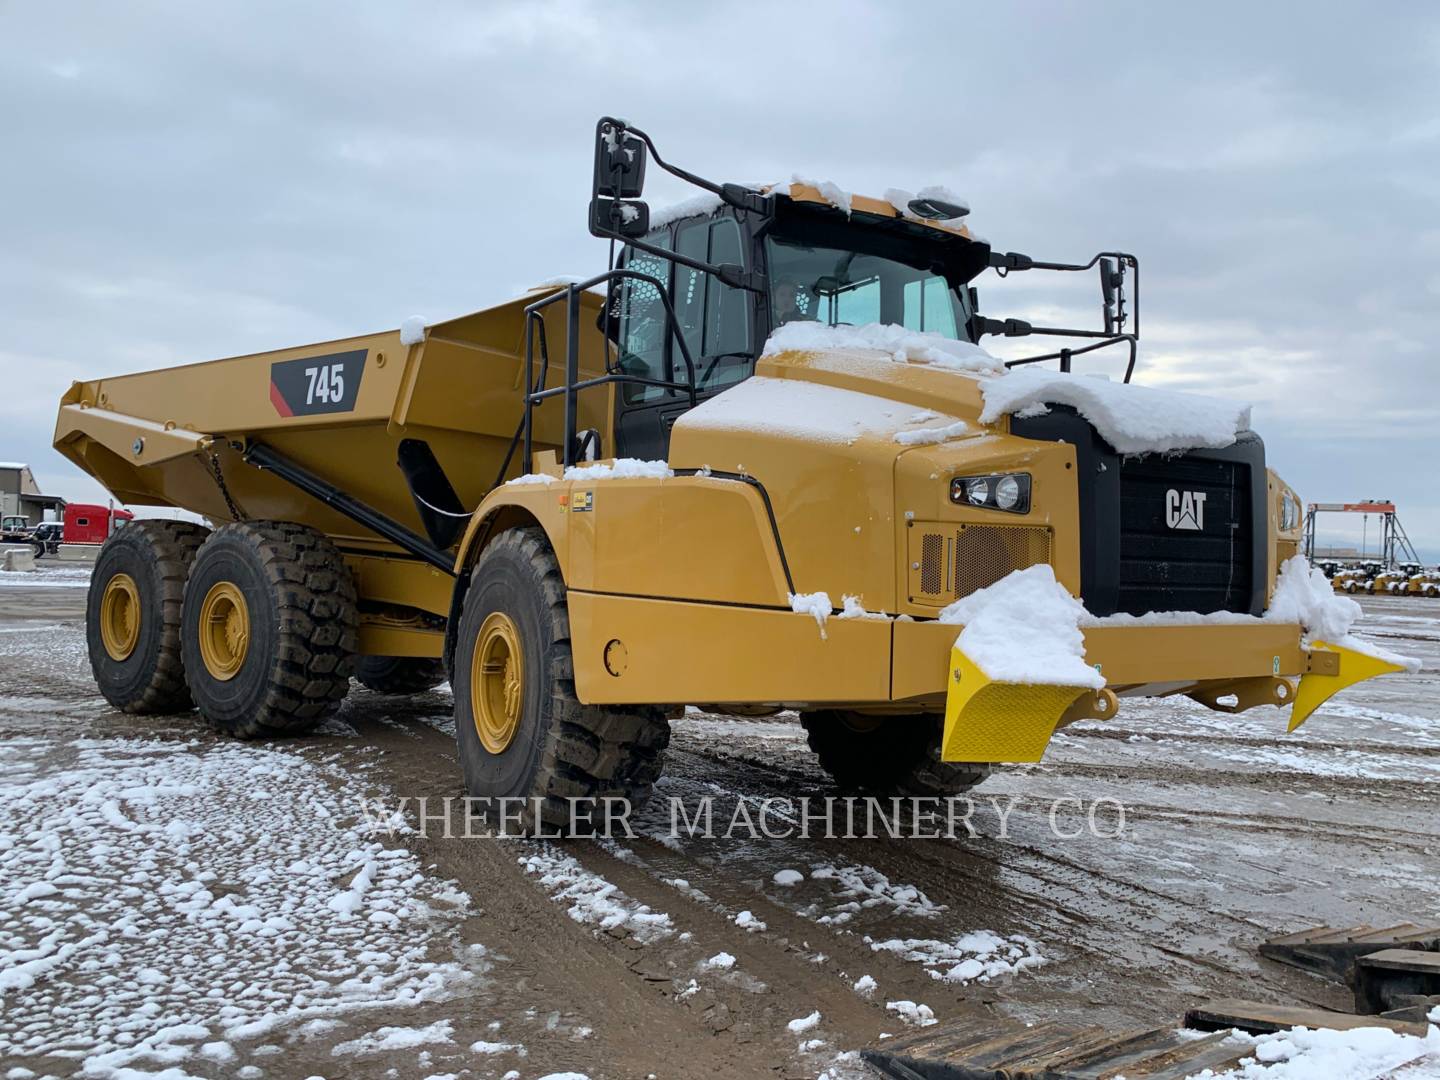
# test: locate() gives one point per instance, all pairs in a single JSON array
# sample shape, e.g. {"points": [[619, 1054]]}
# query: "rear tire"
{"points": [[887, 755], [399, 674], [513, 668], [268, 628], [137, 586]]}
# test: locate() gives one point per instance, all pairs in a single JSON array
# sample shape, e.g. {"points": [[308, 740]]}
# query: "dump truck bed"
{"points": [[340, 409]]}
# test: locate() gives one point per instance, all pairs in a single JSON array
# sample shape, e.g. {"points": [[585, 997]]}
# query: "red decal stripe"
{"points": [[278, 400]]}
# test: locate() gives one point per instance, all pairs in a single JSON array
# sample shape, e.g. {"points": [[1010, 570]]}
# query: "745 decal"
{"points": [[317, 384]]}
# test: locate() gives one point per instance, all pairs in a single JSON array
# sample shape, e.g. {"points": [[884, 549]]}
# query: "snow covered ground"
{"points": [[168, 901], [174, 904]]}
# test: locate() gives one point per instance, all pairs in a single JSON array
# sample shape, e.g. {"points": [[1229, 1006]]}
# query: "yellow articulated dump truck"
{"points": [[760, 462]]}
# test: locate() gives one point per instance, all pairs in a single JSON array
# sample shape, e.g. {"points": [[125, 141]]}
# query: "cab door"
{"points": [[718, 324]]}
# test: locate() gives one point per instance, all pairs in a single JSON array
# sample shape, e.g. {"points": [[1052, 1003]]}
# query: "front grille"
{"points": [[1185, 535], [1134, 557], [948, 561]]}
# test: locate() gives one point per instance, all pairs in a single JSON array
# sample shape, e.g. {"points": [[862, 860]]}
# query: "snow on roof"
{"points": [[13, 465], [1133, 419], [923, 347], [1025, 629], [802, 409]]}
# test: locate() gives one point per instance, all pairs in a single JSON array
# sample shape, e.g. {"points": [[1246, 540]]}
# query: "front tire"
{"points": [[132, 615], [268, 628], [520, 730], [887, 755], [399, 674]]}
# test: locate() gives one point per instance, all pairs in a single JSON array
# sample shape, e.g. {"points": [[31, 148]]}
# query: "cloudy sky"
{"points": [[183, 181]]}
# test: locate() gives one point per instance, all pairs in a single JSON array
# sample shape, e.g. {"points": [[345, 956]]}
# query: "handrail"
{"points": [[537, 393]]}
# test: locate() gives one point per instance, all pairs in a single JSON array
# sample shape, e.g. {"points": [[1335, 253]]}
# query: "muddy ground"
{"points": [[174, 901]]}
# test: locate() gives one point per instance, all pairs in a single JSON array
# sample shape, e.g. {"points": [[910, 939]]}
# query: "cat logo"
{"points": [[1185, 510]]}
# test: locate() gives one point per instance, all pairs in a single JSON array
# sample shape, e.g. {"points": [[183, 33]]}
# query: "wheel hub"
{"points": [[120, 617], [497, 682], [224, 630]]}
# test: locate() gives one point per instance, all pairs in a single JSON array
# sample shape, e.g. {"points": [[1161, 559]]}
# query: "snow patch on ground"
{"points": [[787, 877], [912, 1013], [621, 469], [593, 900], [1133, 419], [978, 956], [865, 985], [51, 574], [860, 888], [1324, 1054], [1025, 629], [804, 1023], [180, 873], [397, 1038]]}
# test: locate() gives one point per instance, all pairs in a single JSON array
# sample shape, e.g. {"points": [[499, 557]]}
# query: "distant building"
{"points": [[20, 495]]}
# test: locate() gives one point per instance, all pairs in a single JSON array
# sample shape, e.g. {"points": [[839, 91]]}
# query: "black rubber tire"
{"points": [[39, 547], [303, 628], [562, 749], [888, 755], [399, 674], [157, 556]]}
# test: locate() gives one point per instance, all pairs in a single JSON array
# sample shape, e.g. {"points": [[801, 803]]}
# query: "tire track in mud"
{"points": [[1117, 921], [735, 1024]]}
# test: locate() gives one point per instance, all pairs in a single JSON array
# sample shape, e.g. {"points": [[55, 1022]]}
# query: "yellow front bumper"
{"points": [[993, 721], [683, 652]]}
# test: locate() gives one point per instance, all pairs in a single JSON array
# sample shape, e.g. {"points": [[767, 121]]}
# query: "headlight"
{"points": [[1004, 491], [1289, 512]]}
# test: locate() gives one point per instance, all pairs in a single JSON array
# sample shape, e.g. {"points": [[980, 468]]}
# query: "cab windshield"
{"points": [[840, 287]]}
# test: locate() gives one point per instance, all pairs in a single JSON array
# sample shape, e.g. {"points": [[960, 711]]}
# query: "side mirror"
{"points": [[619, 161], [1112, 281], [629, 218]]}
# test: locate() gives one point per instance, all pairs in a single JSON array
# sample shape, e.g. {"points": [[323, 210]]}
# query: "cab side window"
{"points": [[714, 318], [641, 313]]}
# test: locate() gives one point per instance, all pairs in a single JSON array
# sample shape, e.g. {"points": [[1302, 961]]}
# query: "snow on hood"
{"points": [[1133, 419], [813, 411], [915, 346], [1025, 629]]}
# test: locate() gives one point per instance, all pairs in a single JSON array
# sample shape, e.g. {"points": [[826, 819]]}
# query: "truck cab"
{"points": [[821, 264]]}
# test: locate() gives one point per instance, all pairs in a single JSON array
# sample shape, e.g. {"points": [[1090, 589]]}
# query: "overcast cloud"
{"points": [[183, 181]]}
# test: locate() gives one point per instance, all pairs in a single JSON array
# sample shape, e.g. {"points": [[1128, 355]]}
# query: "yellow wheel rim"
{"points": [[120, 617], [224, 630], [497, 682]]}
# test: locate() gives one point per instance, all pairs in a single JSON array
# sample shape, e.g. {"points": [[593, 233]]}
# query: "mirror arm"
{"points": [[734, 194]]}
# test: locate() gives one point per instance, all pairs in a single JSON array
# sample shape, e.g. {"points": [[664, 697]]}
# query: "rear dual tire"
{"points": [[269, 628], [133, 614], [521, 732]]}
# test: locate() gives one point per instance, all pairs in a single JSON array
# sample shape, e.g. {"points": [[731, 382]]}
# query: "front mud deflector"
{"points": [[1332, 669], [994, 721]]}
